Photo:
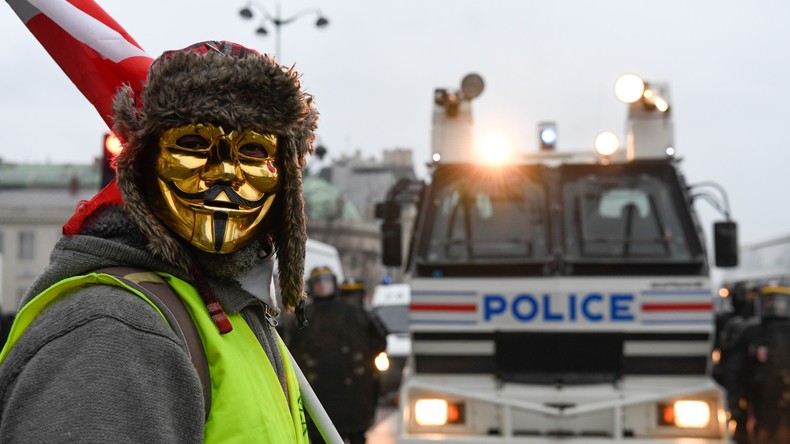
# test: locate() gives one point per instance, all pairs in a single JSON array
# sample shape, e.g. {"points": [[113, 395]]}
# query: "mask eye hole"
{"points": [[193, 142], [254, 151]]}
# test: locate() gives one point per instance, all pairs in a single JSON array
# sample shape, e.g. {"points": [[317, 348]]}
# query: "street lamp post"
{"points": [[278, 20]]}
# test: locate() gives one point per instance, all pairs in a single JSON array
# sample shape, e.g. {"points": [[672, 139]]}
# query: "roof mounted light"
{"points": [[606, 143], [472, 85], [652, 98], [629, 88], [494, 150], [547, 131]]}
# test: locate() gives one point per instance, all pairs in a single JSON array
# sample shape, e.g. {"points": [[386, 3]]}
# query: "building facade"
{"points": [[35, 202], [353, 185], [365, 181]]}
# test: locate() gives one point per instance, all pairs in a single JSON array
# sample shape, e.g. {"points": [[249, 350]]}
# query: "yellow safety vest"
{"points": [[247, 401]]}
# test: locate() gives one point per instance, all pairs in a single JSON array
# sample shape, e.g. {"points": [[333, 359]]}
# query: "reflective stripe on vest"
{"points": [[248, 404]]}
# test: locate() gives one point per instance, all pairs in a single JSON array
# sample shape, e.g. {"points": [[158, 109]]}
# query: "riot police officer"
{"points": [[352, 290], [336, 352], [758, 376], [730, 324]]}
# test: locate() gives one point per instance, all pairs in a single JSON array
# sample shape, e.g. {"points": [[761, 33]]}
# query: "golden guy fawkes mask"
{"points": [[214, 189]]}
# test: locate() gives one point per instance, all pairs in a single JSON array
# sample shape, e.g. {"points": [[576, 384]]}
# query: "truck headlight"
{"points": [[438, 412], [382, 362], [685, 414]]}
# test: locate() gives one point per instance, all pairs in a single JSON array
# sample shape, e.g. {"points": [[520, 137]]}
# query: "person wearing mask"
{"points": [[336, 351], [208, 194]]}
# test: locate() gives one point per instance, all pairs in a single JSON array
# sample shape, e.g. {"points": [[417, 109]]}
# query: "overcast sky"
{"points": [[374, 68]]}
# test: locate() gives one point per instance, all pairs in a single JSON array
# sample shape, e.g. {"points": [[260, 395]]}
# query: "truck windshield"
{"points": [[628, 217], [572, 219], [484, 220]]}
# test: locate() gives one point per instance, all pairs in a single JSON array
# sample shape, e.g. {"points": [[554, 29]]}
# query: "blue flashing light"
{"points": [[548, 135]]}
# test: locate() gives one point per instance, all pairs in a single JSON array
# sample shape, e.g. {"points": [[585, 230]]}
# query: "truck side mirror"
{"points": [[725, 239], [391, 254]]}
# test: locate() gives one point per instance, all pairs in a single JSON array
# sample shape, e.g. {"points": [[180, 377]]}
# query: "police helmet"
{"points": [[352, 285], [320, 273], [773, 302]]}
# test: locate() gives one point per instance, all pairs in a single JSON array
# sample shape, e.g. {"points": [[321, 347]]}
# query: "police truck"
{"points": [[559, 297]]}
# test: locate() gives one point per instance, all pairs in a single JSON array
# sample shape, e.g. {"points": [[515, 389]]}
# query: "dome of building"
{"points": [[324, 201]]}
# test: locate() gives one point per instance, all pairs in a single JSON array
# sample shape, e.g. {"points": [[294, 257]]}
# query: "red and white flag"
{"points": [[92, 49]]}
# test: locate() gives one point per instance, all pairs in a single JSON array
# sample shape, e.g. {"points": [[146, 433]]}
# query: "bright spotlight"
{"points": [[436, 157], [494, 150], [629, 88], [661, 104], [606, 143], [651, 98], [670, 151]]}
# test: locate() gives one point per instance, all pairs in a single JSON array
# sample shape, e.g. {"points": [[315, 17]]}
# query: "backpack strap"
{"points": [[171, 306]]}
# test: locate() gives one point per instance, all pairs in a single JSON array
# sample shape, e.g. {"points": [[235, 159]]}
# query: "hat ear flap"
{"points": [[292, 231], [126, 112], [304, 141], [292, 235]]}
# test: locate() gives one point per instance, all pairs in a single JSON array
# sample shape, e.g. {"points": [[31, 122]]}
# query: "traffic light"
{"points": [[110, 148]]}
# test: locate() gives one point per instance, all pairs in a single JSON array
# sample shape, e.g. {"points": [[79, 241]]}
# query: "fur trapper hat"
{"points": [[224, 84]]}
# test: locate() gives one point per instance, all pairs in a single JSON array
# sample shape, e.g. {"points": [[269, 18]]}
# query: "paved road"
{"points": [[383, 431]]}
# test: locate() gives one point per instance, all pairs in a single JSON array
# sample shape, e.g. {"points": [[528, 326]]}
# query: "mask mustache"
{"points": [[213, 192]]}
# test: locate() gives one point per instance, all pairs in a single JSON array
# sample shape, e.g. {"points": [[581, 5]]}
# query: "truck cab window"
{"points": [[480, 222], [623, 218]]}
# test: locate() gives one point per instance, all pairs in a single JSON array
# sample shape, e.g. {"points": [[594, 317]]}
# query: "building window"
{"points": [[27, 244]]}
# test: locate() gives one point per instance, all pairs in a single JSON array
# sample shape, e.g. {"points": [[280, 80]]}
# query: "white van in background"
{"points": [[317, 254]]}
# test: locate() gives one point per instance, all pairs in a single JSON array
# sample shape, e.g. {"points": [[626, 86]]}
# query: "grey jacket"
{"points": [[101, 365]]}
